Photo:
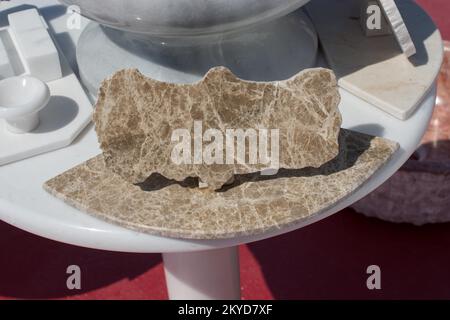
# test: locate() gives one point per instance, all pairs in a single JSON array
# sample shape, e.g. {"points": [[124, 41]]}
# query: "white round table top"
{"points": [[26, 205]]}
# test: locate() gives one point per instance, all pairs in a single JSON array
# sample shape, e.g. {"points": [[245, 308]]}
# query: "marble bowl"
{"points": [[21, 99], [419, 193], [175, 18]]}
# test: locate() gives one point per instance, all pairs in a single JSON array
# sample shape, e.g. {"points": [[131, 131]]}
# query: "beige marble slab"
{"points": [[136, 116], [375, 68], [251, 205]]}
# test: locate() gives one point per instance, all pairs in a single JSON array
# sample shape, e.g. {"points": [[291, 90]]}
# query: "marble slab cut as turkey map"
{"points": [[141, 122]]}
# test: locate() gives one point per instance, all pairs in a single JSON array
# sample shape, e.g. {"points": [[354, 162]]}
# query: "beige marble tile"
{"points": [[251, 205], [375, 68], [419, 193]]}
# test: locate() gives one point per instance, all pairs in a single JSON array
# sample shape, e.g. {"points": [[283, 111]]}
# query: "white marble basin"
{"points": [[183, 17], [21, 98]]}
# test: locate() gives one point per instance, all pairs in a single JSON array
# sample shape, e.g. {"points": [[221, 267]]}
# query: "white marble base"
{"points": [[60, 122], [273, 51], [35, 45], [203, 275]]}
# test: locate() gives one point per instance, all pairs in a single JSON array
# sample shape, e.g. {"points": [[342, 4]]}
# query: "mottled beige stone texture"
{"points": [[252, 204], [135, 117]]}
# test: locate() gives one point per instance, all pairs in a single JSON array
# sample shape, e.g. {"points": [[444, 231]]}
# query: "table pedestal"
{"points": [[212, 274]]}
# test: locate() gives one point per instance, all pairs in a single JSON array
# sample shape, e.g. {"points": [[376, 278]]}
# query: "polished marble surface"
{"points": [[252, 205], [183, 17], [270, 51], [138, 122], [419, 192]]}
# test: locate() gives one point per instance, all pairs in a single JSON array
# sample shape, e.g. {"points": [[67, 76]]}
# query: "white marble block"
{"points": [[26, 20], [398, 26], [373, 20], [374, 68], [35, 45]]}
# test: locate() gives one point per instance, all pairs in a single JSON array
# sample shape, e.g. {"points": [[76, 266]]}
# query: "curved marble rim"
{"points": [[288, 198]]}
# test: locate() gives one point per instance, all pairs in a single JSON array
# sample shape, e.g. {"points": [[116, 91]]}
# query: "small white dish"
{"points": [[21, 99]]}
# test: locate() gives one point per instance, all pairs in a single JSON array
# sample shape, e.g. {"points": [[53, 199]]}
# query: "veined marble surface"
{"points": [[136, 117], [253, 204]]}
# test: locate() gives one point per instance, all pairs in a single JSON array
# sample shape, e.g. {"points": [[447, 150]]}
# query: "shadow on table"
{"points": [[351, 146], [35, 268], [328, 260]]}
